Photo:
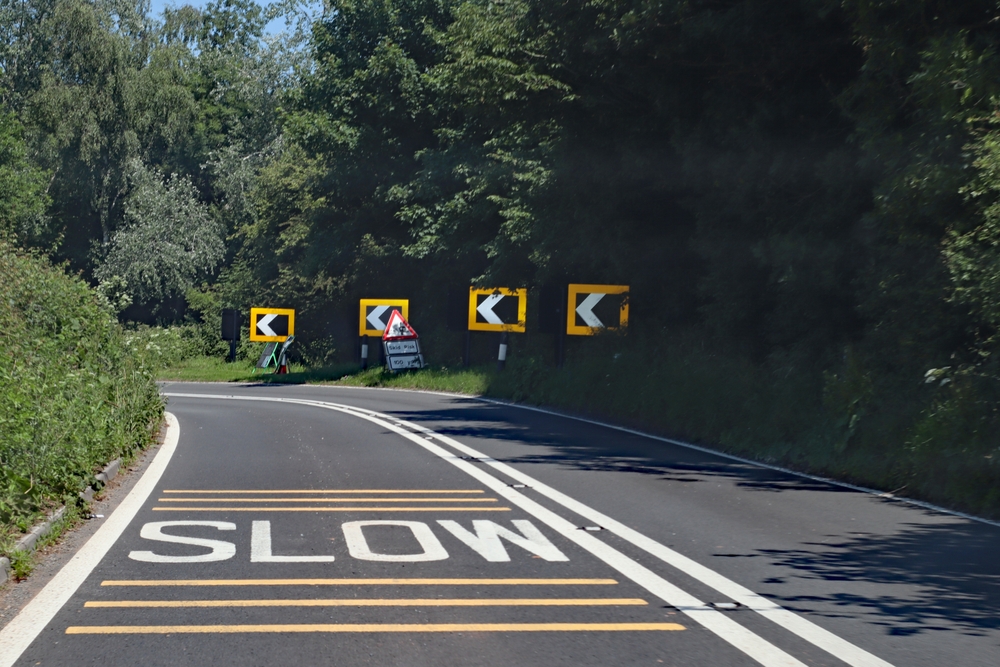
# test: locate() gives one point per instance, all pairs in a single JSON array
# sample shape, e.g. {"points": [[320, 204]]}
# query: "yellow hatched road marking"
{"points": [[324, 491], [331, 509], [401, 602], [327, 500], [358, 582], [371, 627]]}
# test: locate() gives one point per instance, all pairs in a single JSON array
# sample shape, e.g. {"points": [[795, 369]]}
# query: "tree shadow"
{"points": [[949, 571], [590, 447], [944, 574]]}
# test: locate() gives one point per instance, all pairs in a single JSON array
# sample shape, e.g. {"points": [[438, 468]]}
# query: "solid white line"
{"points": [[812, 633], [22, 630], [721, 625], [883, 495], [807, 630]]}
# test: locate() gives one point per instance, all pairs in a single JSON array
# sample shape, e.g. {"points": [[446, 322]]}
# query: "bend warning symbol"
{"points": [[595, 308], [271, 325], [398, 328]]}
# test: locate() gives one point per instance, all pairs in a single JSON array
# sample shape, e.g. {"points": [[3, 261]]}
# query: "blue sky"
{"points": [[156, 8]]}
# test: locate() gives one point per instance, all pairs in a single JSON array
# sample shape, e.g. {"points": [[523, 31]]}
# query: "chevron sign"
{"points": [[497, 309], [271, 325], [596, 308], [374, 314]]}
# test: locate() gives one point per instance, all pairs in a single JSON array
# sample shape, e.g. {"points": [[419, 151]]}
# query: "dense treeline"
{"points": [[804, 192]]}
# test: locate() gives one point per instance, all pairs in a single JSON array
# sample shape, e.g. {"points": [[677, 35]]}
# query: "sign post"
{"points": [[401, 344], [272, 326], [496, 309], [231, 325], [373, 317], [592, 309]]}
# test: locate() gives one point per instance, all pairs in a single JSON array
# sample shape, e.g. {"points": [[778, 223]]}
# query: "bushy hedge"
{"points": [[73, 395]]}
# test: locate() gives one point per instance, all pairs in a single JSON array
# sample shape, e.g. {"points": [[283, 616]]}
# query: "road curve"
{"points": [[331, 525]]}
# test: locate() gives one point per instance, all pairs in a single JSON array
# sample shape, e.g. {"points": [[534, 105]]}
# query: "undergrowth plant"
{"points": [[73, 394]]}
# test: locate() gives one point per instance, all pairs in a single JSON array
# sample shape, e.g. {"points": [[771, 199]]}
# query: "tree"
{"points": [[22, 185], [168, 241]]}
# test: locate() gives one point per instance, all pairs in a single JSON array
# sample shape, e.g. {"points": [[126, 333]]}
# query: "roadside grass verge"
{"points": [[73, 393], [929, 442]]}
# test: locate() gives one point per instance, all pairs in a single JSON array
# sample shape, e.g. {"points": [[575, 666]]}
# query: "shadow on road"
{"points": [[946, 571], [951, 573]]}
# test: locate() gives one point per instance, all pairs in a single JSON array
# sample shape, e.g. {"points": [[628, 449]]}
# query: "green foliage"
{"points": [[73, 396], [21, 563], [810, 189], [167, 240], [22, 185]]}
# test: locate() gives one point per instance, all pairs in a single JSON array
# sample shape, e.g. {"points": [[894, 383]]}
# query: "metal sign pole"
{"points": [[502, 354], [560, 331], [364, 352]]}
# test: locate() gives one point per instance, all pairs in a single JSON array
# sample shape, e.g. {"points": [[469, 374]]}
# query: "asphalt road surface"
{"points": [[337, 526]]}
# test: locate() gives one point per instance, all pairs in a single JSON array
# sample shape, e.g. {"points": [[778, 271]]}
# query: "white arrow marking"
{"points": [[262, 325], [486, 308], [375, 317], [586, 312]]}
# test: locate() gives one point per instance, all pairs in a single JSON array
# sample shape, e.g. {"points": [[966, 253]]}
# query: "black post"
{"points": [[381, 353], [467, 357], [561, 330], [231, 330], [364, 352], [502, 354]]}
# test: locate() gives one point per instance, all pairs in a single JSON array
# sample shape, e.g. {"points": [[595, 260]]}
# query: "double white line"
{"points": [[23, 629], [723, 626]]}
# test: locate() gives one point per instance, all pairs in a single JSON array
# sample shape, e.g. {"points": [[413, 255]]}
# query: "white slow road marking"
{"points": [[805, 629], [721, 625], [22, 630]]}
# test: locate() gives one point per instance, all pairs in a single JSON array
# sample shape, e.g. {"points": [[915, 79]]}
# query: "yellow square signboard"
{"points": [[271, 325], [497, 309], [374, 314], [596, 308]]}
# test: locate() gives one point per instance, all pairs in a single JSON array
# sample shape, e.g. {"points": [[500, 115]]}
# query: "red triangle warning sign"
{"points": [[397, 328]]}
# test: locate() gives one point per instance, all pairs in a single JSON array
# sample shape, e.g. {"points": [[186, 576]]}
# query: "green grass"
{"points": [[208, 369], [782, 412], [21, 563], [472, 381]]}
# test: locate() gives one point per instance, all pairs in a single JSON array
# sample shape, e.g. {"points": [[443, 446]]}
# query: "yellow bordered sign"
{"points": [[497, 309], [374, 314], [592, 309], [271, 325]]}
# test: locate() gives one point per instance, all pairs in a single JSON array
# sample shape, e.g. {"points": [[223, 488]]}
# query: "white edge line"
{"points": [[37, 614], [883, 495], [792, 622], [721, 625]]}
